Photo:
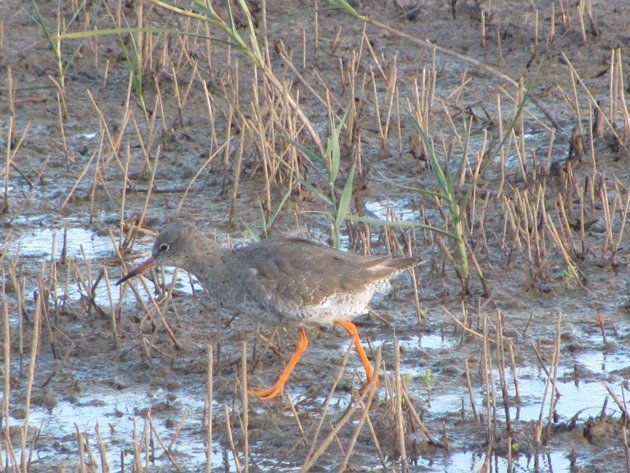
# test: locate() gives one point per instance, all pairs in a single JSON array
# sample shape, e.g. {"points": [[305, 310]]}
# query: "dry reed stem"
{"points": [[180, 426], [112, 311], [208, 409], [373, 434], [555, 365], [482, 279], [420, 313], [365, 417], [221, 149], [574, 271], [400, 424], [12, 149], [81, 441], [102, 450], [35, 341], [505, 394], [416, 417], [298, 423], [165, 448], [463, 325], [137, 451], [231, 443], [244, 418], [517, 390], [326, 404], [90, 453], [6, 397], [471, 396], [236, 179], [550, 384], [368, 394], [621, 404], [490, 394], [19, 288], [283, 55], [623, 217], [609, 122], [626, 445]]}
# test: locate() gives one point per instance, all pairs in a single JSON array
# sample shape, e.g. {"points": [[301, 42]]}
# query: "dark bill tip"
{"points": [[148, 264]]}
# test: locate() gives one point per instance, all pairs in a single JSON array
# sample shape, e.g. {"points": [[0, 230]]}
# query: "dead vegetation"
{"points": [[506, 138]]}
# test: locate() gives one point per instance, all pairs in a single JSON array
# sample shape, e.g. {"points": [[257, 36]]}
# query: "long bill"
{"points": [[148, 264]]}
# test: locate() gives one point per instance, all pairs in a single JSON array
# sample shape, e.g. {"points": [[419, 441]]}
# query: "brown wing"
{"points": [[307, 273]]}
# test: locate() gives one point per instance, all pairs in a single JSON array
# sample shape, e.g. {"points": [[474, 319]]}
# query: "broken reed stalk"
{"points": [[552, 378], [215, 149], [10, 163], [244, 418], [114, 144], [621, 403], [236, 179], [178, 430], [572, 272], [324, 409], [601, 322], [400, 423], [365, 417], [112, 307], [626, 444], [368, 394], [35, 341], [102, 449], [517, 390], [63, 113], [298, 423], [505, 394], [166, 449], [81, 444], [6, 408], [471, 397], [228, 427], [490, 412], [416, 417], [19, 286], [208, 411], [623, 217], [90, 452], [151, 183], [613, 100], [486, 368], [137, 451], [373, 434]]}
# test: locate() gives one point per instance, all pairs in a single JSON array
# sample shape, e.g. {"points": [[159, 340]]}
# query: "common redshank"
{"points": [[290, 282]]}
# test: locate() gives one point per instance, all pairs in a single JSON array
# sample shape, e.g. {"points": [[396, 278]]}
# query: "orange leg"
{"points": [[277, 388], [354, 333]]}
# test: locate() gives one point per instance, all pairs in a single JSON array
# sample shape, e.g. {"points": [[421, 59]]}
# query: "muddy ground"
{"points": [[125, 369]]}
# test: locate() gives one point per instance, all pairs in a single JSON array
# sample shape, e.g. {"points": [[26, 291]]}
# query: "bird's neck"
{"points": [[208, 260]]}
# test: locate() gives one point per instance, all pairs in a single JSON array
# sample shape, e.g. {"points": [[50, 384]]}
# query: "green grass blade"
{"points": [[345, 200], [316, 192], [345, 7], [274, 215], [399, 224], [251, 232]]}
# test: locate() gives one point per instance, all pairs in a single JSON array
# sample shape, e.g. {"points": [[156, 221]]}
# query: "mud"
{"points": [[144, 387]]}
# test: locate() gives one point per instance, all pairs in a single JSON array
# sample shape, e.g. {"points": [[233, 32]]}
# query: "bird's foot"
{"points": [[373, 380], [268, 393]]}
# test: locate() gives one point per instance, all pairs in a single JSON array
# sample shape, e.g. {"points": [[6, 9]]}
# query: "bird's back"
{"points": [[296, 280]]}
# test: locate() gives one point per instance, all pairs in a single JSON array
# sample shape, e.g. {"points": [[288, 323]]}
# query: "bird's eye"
{"points": [[164, 247]]}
